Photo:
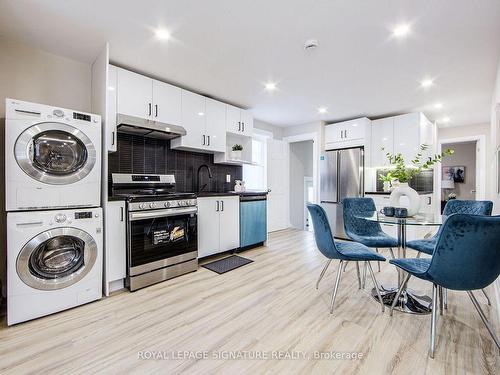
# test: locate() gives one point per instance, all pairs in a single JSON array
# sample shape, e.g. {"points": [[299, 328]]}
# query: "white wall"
{"points": [[301, 165], [494, 167], [30, 74], [465, 155], [275, 130]]}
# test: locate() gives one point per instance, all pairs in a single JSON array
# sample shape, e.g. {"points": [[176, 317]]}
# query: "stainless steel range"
{"points": [[161, 228]]}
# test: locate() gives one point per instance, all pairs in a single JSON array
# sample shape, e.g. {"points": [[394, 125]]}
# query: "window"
{"points": [[255, 174]]}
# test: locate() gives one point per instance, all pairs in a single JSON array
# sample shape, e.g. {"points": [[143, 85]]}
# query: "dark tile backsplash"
{"points": [[136, 154], [424, 181]]}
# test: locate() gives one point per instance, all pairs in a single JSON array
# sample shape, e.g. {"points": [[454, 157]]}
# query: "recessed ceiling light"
{"points": [[201, 113], [322, 109], [438, 105], [311, 44], [162, 34], [445, 120], [426, 83], [401, 30], [270, 86]]}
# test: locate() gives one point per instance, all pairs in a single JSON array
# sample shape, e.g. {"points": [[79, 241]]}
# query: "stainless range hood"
{"points": [[147, 128]]}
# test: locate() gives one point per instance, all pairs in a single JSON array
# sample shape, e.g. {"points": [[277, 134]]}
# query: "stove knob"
{"points": [[142, 206], [152, 205], [167, 204], [184, 203]]}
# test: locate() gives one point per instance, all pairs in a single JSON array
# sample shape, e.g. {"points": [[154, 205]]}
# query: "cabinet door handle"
{"points": [[208, 138], [149, 108], [217, 209], [156, 110], [203, 139], [429, 200], [239, 126], [112, 138], [121, 214], [243, 127], [222, 205], [341, 134]]}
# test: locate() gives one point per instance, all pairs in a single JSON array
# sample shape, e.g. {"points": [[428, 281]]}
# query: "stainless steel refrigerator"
{"points": [[342, 176]]}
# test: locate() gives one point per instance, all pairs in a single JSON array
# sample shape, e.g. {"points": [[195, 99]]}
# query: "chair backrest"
{"points": [[355, 226], [467, 254], [322, 231], [458, 206]]}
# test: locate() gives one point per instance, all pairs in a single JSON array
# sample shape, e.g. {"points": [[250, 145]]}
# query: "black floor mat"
{"points": [[227, 264]]}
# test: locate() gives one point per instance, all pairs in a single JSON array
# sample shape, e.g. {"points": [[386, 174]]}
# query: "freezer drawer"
{"points": [[253, 222]]}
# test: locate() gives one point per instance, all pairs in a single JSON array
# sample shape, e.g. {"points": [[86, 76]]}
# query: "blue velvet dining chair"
{"points": [[466, 258], [342, 251], [368, 233], [453, 206]]}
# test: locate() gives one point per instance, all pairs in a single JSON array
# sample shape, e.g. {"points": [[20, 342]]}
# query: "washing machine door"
{"points": [[56, 258], [55, 153]]}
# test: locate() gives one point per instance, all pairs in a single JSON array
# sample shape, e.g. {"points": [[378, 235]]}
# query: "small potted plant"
{"points": [[236, 152], [387, 180]]}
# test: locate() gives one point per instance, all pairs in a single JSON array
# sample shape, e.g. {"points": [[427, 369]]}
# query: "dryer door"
{"points": [[56, 258], [55, 153]]}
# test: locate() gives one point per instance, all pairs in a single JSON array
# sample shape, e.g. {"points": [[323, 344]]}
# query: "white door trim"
{"points": [[480, 164], [306, 180]]}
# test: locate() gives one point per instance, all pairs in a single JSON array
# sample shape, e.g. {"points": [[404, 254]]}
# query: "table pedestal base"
{"points": [[409, 301]]}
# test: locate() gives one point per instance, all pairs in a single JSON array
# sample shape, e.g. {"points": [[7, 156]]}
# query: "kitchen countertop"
{"points": [[388, 193], [202, 194]]}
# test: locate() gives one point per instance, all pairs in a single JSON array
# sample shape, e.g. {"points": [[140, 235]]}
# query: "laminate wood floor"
{"points": [[269, 307]]}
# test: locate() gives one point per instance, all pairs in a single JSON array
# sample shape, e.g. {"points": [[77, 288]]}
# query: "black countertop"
{"points": [[202, 194], [388, 192]]}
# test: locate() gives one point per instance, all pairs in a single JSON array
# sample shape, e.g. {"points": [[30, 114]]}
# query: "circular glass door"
{"points": [[55, 153], [56, 258]]}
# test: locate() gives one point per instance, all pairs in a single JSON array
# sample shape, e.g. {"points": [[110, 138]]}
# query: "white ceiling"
{"points": [[228, 48]]}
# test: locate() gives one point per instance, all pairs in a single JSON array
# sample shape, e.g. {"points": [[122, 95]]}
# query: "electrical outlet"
{"points": [[228, 178]]}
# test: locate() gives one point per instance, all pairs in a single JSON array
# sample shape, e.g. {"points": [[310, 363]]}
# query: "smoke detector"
{"points": [[311, 44]]}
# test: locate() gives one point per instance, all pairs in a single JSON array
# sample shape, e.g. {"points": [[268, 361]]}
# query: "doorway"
{"points": [[300, 182], [462, 175]]}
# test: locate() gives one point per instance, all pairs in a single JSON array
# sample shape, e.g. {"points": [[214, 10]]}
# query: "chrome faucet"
{"points": [[198, 176]]}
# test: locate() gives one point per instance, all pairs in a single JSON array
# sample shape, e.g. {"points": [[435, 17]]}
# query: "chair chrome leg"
{"points": [[487, 298], [483, 318], [364, 276], [398, 294], [445, 298], [358, 274], [345, 265], [392, 253], [440, 291], [323, 272], [433, 320], [418, 254], [336, 288], [378, 263], [375, 284]]}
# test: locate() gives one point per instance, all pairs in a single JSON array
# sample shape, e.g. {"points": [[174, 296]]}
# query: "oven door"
{"points": [[161, 238]]}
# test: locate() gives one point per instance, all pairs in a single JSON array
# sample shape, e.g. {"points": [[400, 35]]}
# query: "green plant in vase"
{"points": [[236, 151], [404, 172]]}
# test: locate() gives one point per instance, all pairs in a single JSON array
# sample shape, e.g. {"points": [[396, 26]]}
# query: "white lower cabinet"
{"points": [[116, 241], [218, 224]]}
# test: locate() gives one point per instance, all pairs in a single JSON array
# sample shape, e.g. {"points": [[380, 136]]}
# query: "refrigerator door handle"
{"points": [[361, 173], [338, 176]]}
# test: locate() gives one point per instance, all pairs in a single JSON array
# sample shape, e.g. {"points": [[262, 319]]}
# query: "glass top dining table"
{"points": [[410, 301]]}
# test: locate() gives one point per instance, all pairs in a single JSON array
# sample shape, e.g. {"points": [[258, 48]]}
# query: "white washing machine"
{"points": [[54, 261], [52, 157]]}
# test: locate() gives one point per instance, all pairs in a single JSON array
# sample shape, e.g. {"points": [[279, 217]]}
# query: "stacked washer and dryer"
{"points": [[54, 222]]}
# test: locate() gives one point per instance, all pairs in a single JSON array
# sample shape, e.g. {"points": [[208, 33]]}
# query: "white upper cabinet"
{"points": [[346, 134], [239, 121], [382, 137], [401, 134], [110, 125], [215, 128], [166, 103], [135, 94], [193, 120]]}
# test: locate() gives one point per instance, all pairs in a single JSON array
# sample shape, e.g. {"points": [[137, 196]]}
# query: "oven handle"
{"points": [[161, 213]]}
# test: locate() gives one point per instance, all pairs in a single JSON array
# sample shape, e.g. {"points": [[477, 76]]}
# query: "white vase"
{"points": [[405, 190], [387, 186], [236, 155]]}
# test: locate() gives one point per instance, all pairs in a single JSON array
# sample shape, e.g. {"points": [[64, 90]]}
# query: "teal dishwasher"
{"points": [[253, 220]]}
